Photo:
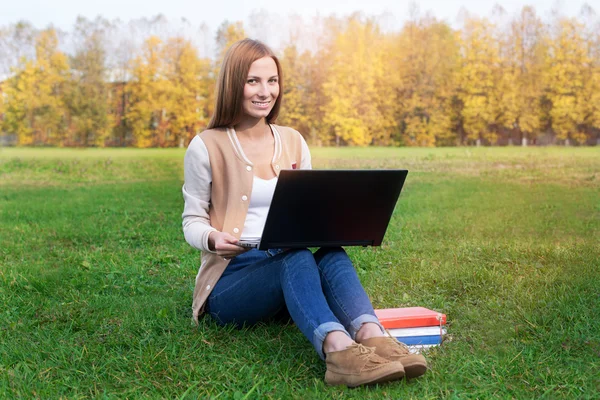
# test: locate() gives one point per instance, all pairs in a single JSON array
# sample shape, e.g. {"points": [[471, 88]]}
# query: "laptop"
{"points": [[330, 208]]}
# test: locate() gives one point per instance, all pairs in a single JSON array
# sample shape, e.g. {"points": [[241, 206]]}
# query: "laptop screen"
{"points": [[324, 208]]}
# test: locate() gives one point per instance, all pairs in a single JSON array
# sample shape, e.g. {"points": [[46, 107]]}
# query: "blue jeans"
{"points": [[321, 292]]}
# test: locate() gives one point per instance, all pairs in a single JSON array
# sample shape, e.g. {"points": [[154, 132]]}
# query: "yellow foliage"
{"points": [[34, 109], [168, 101], [425, 85], [565, 79], [353, 106]]}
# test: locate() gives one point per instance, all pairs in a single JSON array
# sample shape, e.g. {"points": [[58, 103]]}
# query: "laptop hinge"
{"points": [[275, 245]]}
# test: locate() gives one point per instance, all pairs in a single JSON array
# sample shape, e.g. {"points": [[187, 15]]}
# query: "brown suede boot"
{"points": [[359, 365], [391, 349]]}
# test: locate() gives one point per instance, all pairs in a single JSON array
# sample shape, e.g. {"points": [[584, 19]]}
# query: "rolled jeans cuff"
{"points": [[322, 331], [363, 319]]}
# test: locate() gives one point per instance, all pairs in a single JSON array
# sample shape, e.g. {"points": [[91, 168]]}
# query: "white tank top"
{"points": [[260, 201]]}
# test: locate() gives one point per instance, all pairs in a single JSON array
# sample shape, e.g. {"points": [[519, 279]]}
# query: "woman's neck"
{"points": [[254, 128]]}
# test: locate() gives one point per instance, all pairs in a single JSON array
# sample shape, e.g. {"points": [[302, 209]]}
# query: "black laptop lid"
{"points": [[323, 208]]}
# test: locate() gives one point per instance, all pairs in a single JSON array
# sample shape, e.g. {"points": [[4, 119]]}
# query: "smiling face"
{"points": [[261, 88]]}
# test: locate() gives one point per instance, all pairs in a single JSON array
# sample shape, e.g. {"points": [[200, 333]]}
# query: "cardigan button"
{"points": [[244, 198], [277, 166], [207, 287], [236, 230], [248, 168]]}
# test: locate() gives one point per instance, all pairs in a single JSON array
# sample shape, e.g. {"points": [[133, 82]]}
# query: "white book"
{"points": [[423, 331], [420, 348]]}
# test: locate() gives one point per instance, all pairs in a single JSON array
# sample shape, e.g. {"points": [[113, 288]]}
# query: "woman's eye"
{"points": [[251, 80]]}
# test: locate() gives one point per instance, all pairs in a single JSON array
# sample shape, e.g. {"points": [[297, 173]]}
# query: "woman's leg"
{"points": [[351, 305], [257, 286], [345, 294], [348, 363], [253, 289], [249, 290], [307, 304]]}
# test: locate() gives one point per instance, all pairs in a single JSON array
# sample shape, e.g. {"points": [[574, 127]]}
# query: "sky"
{"points": [[198, 20], [62, 13]]}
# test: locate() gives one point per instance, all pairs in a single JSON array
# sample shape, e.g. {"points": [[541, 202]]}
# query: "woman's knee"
{"points": [[330, 256], [299, 260], [297, 256]]}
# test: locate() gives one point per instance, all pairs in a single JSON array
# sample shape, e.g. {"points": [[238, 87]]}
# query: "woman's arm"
{"points": [[306, 161], [196, 194]]}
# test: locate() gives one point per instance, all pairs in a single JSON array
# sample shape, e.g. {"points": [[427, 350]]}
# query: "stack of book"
{"points": [[417, 327]]}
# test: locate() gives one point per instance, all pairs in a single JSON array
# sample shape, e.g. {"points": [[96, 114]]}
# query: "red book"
{"points": [[409, 317]]}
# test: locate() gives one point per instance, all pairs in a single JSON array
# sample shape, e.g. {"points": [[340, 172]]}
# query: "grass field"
{"points": [[96, 279]]}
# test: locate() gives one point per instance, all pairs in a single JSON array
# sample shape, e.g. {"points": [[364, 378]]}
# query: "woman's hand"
{"points": [[225, 245]]}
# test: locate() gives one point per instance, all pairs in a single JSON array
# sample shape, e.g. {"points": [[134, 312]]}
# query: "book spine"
{"points": [[423, 331], [416, 349], [416, 340], [417, 322]]}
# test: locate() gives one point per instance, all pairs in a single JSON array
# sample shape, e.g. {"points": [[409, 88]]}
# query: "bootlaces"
{"points": [[400, 348], [367, 353]]}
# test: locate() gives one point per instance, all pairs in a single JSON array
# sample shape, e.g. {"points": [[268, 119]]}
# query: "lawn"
{"points": [[96, 278]]}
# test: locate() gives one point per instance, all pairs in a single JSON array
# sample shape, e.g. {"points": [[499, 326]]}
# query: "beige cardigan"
{"points": [[217, 190]]}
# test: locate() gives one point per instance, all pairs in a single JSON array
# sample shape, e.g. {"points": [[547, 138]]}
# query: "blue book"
{"points": [[415, 340], [421, 331]]}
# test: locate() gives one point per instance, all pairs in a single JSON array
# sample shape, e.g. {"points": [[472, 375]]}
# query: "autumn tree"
{"points": [[478, 78], [184, 95], [425, 63], [346, 81], [313, 66], [527, 50], [19, 102], [589, 99], [34, 107], [295, 103], [17, 43], [353, 113], [565, 78], [227, 34], [147, 90], [87, 97]]}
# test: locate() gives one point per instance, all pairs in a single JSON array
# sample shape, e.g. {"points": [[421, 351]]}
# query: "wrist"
{"points": [[211, 241]]}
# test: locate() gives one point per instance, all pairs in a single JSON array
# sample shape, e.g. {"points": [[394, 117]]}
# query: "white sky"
{"points": [[62, 13]]}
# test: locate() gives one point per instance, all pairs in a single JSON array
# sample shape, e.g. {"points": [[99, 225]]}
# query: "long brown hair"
{"points": [[232, 79]]}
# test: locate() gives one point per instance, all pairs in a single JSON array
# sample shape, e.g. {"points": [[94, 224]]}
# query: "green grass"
{"points": [[96, 279]]}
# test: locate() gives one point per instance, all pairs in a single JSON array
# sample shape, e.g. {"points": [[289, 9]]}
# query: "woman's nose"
{"points": [[263, 90]]}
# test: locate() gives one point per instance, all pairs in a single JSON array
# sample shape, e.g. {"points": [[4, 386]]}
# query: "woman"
{"points": [[230, 174]]}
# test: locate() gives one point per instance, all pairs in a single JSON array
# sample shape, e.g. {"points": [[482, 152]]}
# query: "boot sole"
{"points": [[335, 379], [414, 370]]}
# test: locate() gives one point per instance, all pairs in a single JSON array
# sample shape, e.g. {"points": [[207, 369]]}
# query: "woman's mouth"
{"points": [[262, 104]]}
